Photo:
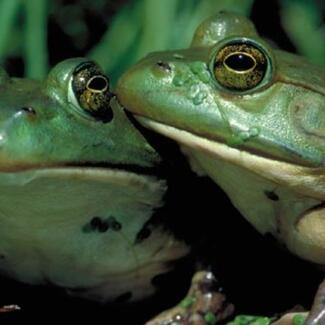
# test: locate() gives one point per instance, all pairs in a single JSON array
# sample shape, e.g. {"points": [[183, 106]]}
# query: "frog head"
{"points": [[249, 116], [232, 87], [70, 119]]}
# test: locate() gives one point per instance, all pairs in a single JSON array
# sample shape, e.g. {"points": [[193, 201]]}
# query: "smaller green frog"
{"points": [[249, 116], [79, 188]]}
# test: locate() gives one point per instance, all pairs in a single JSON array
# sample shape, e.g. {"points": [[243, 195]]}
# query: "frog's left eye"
{"points": [[90, 88], [240, 66]]}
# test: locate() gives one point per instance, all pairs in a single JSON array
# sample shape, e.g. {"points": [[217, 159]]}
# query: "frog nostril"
{"points": [[28, 110], [164, 65]]}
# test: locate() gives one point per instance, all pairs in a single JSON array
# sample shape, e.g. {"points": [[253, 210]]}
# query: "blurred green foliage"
{"points": [[151, 25], [36, 34]]}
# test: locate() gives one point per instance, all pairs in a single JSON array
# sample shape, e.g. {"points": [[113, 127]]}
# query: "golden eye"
{"points": [[240, 66], [91, 89]]}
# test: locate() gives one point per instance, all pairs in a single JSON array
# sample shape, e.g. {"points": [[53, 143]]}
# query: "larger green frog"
{"points": [[249, 116], [78, 188]]}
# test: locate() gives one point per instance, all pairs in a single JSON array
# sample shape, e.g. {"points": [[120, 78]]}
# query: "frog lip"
{"points": [[77, 175], [158, 171], [307, 180], [152, 123]]}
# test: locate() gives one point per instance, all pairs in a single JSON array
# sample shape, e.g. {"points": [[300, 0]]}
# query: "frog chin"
{"points": [[301, 179], [81, 228], [276, 197]]}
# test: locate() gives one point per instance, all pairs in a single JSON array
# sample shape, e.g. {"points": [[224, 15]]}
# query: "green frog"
{"points": [[79, 188], [249, 116], [85, 196]]}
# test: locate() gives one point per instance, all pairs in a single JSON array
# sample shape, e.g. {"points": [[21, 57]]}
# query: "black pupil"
{"points": [[239, 62], [97, 83]]}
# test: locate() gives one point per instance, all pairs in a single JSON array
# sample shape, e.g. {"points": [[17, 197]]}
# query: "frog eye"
{"points": [[90, 88], [240, 66]]}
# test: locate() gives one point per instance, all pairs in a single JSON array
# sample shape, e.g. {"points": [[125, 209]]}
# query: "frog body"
{"points": [[250, 117], [78, 188]]}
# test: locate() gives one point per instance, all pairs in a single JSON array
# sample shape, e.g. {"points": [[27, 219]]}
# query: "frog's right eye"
{"points": [[241, 65], [90, 91]]}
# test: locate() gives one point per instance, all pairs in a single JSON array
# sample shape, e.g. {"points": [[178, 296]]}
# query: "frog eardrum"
{"points": [[240, 65], [91, 89]]}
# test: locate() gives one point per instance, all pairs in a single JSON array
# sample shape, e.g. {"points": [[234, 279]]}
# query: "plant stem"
{"points": [[35, 49], [8, 11]]}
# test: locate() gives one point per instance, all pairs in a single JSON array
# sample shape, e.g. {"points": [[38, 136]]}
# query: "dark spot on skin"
{"points": [[114, 224], [100, 225], [164, 65], [143, 234], [95, 222], [271, 195], [2, 257], [103, 227], [124, 297]]}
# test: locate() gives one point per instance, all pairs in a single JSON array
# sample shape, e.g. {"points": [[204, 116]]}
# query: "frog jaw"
{"points": [[300, 178], [290, 197], [62, 246]]}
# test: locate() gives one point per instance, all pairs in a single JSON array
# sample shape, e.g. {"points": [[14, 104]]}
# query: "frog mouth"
{"points": [[302, 179], [159, 170], [78, 172]]}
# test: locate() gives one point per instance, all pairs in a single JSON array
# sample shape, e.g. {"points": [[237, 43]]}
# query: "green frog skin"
{"points": [[78, 188], [250, 117]]}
